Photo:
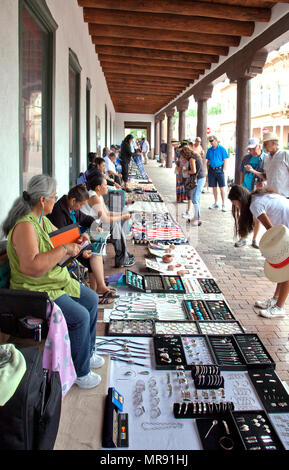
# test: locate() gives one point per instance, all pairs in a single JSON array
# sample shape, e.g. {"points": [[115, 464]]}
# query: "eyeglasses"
{"points": [[211, 141], [55, 198]]}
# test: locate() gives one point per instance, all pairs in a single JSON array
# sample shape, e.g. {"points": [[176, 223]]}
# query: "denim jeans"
{"points": [[195, 196], [81, 317], [139, 163]]}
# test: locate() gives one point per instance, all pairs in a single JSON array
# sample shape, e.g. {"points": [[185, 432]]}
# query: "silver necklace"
{"points": [[158, 426]]}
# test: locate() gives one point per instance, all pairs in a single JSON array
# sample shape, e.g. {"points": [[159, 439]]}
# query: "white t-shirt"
{"points": [[145, 146], [86, 209], [276, 207], [109, 165], [277, 172]]}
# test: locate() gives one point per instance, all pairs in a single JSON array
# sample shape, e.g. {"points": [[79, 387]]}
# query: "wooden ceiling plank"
{"points": [[161, 45], [113, 60], [136, 70], [155, 54], [131, 32], [138, 79], [185, 8], [171, 22], [152, 73]]}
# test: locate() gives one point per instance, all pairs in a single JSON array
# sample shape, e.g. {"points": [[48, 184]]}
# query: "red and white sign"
{"points": [[208, 131], [265, 130]]}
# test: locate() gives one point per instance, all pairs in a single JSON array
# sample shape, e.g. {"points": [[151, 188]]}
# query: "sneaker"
{"points": [[224, 209], [184, 214], [90, 380], [272, 312], [128, 263], [96, 361], [214, 206], [196, 222], [264, 304], [240, 242], [255, 244]]}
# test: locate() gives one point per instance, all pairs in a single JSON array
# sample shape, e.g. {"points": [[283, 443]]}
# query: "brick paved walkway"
{"points": [[238, 271]]}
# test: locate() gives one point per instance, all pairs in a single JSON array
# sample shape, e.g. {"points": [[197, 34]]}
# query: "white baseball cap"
{"points": [[252, 143]]}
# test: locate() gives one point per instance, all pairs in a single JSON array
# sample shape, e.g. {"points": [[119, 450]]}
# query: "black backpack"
{"points": [[30, 419]]}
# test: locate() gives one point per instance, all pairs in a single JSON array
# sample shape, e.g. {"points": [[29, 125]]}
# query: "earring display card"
{"points": [[227, 353], [220, 328], [256, 430], [169, 352], [176, 328], [131, 328], [197, 350], [270, 390], [253, 351], [200, 408], [155, 283], [196, 310], [219, 434], [209, 286]]}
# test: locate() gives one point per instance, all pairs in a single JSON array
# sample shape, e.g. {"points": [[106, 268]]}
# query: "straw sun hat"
{"points": [[274, 246]]}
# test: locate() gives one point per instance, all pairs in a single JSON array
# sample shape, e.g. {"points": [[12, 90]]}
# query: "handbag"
{"points": [[191, 182]]}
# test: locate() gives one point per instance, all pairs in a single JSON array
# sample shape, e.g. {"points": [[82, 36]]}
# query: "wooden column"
{"points": [[201, 97], [157, 139], [170, 115], [241, 74], [182, 108]]}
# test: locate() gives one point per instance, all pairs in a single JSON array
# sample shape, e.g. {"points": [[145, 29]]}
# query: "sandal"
{"points": [[109, 294], [105, 301]]}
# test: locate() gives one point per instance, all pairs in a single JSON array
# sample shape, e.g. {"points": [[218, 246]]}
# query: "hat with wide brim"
{"points": [[270, 136], [274, 246]]}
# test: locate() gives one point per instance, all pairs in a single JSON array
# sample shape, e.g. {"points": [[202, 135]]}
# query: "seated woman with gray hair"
{"points": [[34, 266]]}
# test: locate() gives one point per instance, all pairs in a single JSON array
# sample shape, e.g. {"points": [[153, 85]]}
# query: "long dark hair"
{"points": [[243, 217]]}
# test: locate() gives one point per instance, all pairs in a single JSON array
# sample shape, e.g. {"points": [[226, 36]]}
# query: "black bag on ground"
{"points": [[30, 419], [17, 307]]}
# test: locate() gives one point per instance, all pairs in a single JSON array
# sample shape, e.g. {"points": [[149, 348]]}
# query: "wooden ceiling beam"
{"points": [[160, 45], [144, 85], [138, 79], [186, 8], [151, 71], [163, 35], [130, 91], [149, 74], [151, 62], [171, 22], [154, 54]]}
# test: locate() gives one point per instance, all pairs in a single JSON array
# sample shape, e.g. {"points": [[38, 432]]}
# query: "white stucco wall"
{"points": [[9, 104], [121, 118], [72, 33]]}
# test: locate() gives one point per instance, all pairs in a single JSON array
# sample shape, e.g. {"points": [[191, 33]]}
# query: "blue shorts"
{"points": [[216, 178]]}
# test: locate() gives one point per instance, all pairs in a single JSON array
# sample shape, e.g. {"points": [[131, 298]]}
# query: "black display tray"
{"points": [[207, 355], [209, 286], [207, 310], [171, 345], [139, 330], [214, 439], [272, 394], [142, 283], [216, 343], [247, 418], [254, 340]]}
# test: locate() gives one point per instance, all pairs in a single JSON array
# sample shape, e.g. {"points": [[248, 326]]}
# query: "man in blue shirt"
{"points": [[217, 162], [254, 159]]}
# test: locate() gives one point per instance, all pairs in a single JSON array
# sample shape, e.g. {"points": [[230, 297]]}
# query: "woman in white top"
{"points": [[271, 209], [97, 186]]}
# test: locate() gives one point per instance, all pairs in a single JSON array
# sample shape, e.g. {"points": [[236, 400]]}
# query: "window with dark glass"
{"points": [[74, 117], [88, 88], [36, 69]]}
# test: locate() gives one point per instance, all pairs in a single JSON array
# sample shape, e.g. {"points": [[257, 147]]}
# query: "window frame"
{"points": [[42, 16]]}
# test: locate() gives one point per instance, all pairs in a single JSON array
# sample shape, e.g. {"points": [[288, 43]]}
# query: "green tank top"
{"points": [[55, 282]]}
